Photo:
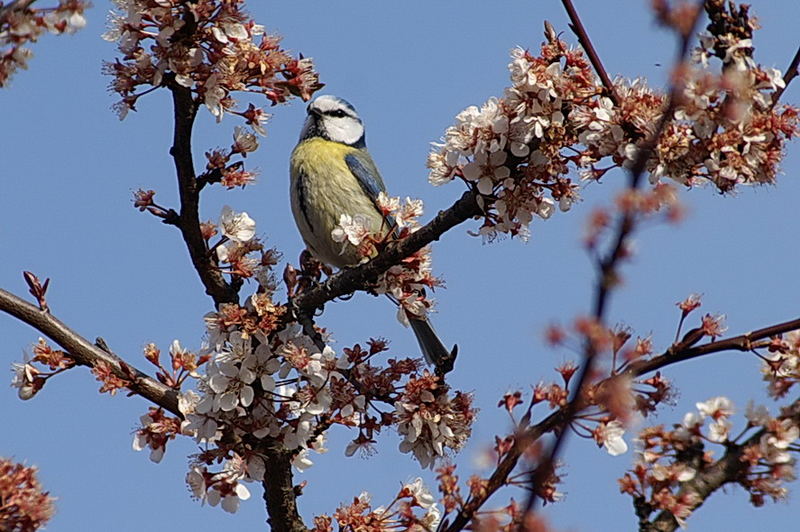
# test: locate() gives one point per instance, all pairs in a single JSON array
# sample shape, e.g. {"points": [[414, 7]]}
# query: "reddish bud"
{"points": [[290, 279], [689, 304], [511, 400], [555, 335], [567, 370], [142, 199], [152, 354], [37, 289]]}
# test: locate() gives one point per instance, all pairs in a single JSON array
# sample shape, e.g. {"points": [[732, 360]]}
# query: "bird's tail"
{"points": [[432, 347]]}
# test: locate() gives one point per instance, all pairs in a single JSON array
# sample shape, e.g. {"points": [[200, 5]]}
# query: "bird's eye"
{"points": [[338, 113]]}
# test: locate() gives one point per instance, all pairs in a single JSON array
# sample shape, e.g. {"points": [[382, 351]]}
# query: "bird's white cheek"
{"points": [[348, 132]]}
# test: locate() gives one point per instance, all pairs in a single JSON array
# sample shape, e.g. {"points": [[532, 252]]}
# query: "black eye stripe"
{"points": [[338, 113]]}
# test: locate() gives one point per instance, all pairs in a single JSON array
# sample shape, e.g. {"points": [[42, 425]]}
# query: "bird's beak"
{"points": [[314, 112]]}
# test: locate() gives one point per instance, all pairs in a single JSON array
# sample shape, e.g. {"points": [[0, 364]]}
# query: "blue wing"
{"points": [[363, 168], [366, 173]]}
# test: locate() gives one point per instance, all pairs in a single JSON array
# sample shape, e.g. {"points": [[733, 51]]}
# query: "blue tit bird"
{"points": [[332, 173]]}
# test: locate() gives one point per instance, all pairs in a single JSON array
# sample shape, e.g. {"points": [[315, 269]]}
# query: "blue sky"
{"points": [[69, 167]]}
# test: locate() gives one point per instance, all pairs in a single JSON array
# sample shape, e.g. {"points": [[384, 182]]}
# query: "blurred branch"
{"points": [[607, 267], [86, 353], [18, 5]]}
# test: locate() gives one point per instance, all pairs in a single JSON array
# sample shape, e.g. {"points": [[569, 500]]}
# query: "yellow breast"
{"points": [[322, 189]]}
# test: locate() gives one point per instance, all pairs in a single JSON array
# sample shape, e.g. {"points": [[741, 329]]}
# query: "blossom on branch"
{"points": [[412, 509], [520, 152], [237, 226], [407, 281], [25, 506], [210, 47], [781, 368], [157, 429], [609, 435], [430, 420], [215, 488], [664, 476], [270, 379], [21, 23]]}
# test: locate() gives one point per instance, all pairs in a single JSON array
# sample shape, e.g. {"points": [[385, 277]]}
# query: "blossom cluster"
{"points": [[219, 167], [224, 486], [767, 454], [267, 378], [239, 247], [25, 506], [261, 379], [430, 420], [30, 375], [519, 151], [669, 459], [20, 23], [414, 508], [781, 369], [615, 394], [510, 148], [406, 282], [210, 47], [271, 381]]}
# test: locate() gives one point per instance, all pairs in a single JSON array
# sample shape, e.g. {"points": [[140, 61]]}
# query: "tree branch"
{"points": [[86, 353], [743, 342], [560, 417], [726, 470], [583, 38], [792, 72], [185, 110], [349, 280], [280, 494]]}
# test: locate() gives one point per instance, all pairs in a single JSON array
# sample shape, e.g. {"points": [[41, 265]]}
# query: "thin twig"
{"points": [[743, 342], [792, 72], [185, 110], [86, 353], [577, 27]]}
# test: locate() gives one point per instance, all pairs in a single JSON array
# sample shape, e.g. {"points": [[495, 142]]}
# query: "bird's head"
{"points": [[333, 119]]}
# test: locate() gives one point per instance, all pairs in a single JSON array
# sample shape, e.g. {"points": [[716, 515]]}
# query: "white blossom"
{"points": [[238, 226], [611, 435], [244, 141], [352, 229]]}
